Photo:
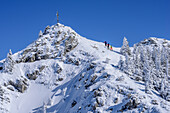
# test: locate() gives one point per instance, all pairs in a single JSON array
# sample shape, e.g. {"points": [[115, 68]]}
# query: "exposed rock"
{"points": [[4, 100], [95, 106], [33, 76], [73, 103], [106, 75], [59, 69], [20, 86], [154, 102], [26, 51], [131, 104], [11, 83], [46, 30], [93, 78], [60, 79], [70, 43], [41, 68], [116, 100], [77, 62], [10, 87], [97, 93], [121, 78], [100, 101], [138, 78], [92, 65], [45, 57]]}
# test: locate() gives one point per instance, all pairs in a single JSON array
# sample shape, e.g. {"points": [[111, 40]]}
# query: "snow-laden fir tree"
{"points": [[9, 63], [165, 88], [40, 34], [125, 47], [126, 63], [146, 71], [162, 92], [136, 61], [158, 62], [121, 64]]}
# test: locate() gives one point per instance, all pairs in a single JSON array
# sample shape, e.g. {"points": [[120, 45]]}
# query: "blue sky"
{"points": [[100, 20]]}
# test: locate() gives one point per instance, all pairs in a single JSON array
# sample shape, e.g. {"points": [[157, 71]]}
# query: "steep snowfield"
{"points": [[83, 77]]}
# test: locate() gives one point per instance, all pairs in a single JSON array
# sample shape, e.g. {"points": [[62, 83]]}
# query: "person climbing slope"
{"points": [[108, 45], [105, 43], [111, 47]]}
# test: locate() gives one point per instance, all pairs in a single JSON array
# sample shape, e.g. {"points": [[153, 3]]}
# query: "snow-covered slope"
{"points": [[62, 72]]}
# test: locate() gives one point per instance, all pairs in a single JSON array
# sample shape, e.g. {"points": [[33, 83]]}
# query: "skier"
{"points": [[105, 43], [111, 48], [108, 45]]}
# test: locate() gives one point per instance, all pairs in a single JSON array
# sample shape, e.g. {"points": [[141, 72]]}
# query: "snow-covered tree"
{"points": [[121, 64], [162, 92], [9, 63], [40, 34], [147, 75], [126, 64], [137, 61], [125, 47]]}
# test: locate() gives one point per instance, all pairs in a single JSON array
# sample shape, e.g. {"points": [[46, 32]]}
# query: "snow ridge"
{"points": [[62, 72]]}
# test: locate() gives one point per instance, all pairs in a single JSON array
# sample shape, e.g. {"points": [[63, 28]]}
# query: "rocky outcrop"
{"points": [[33, 76], [19, 85], [132, 103], [70, 43], [55, 42], [4, 100]]}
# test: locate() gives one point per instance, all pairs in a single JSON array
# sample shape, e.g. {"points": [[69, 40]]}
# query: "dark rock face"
{"points": [[42, 68], [57, 68], [92, 65], [74, 103], [70, 44], [33, 76], [4, 100], [93, 78], [131, 104], [154, 102], [20, 85], [97, 93]]}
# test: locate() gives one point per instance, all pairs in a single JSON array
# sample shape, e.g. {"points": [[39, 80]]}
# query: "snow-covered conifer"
{"points": [[9, 63], [162, 92], [125, 47], [147, 75], [121, 63], [126, 64], [40, 34]]}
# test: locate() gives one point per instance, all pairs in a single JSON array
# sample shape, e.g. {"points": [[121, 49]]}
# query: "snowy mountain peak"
{"points": [[155, 42], [54, 42], [62, 72]]}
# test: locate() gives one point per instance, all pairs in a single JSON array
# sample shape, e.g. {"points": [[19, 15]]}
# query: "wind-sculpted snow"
{"points": [[62, 72]]}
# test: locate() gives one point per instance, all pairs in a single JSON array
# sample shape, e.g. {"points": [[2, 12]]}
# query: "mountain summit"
{"points": [[63, 72]]}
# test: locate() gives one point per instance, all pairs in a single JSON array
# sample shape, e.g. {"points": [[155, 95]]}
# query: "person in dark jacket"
{"points": [[108, 45], [105, 43]]}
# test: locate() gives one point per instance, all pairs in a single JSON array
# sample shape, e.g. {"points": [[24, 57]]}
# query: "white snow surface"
{"points": [[92, 86]]}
